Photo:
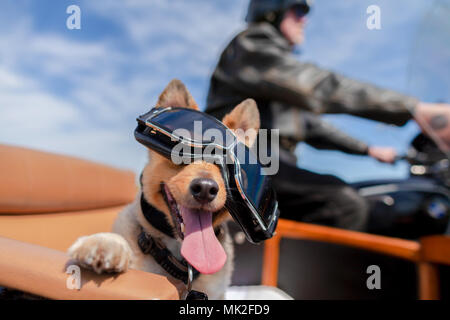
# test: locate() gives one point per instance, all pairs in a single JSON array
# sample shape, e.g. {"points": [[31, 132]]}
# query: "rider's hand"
{"points": [[383, 154], [434, 120]]}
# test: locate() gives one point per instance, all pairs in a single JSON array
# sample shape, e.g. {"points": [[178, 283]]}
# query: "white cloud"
{"points": [[81, 97], [165, 32], [25, 106], [350, 47]]}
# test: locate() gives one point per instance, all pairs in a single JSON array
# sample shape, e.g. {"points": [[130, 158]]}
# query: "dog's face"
{"points": [[193, 196]]}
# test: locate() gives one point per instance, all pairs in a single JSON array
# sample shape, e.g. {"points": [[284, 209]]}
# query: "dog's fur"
{"points": [[118, 251]]}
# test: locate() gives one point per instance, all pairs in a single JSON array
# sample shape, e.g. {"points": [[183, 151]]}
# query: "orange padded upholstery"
{"points": [[42, 271], [39, 182], [57, 231], [47, 201]]}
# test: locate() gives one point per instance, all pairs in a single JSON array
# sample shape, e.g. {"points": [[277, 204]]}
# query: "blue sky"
{"points": [[78, 92]]}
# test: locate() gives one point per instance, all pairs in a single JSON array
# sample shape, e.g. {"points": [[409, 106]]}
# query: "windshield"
{"points": [[429, 63]]}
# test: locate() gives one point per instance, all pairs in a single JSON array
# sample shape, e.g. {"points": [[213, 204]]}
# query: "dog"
{"points": [[175, 191]]}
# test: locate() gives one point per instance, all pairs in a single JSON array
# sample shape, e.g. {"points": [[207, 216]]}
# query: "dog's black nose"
{"points": [[204, 190]]}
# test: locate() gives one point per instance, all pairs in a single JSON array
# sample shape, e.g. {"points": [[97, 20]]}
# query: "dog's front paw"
{"points": [[102, 252]]}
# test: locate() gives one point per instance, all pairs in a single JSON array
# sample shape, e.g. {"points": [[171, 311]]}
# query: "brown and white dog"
{"points": [[191, 198]]}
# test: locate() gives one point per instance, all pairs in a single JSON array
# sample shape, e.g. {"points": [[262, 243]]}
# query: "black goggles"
{"points": [[172, 132]]}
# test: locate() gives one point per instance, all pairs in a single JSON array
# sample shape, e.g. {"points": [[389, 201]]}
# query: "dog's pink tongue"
{"points": [[200, 246]]}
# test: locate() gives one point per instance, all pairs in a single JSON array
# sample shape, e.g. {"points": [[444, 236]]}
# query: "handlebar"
{"points": [[415, 157], [421, 164]]}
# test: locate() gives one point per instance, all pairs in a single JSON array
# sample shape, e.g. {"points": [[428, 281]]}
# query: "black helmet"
{"points": [[270, 10]]}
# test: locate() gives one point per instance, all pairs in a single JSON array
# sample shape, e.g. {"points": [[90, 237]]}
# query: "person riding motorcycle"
{"points": [[258, 63]]}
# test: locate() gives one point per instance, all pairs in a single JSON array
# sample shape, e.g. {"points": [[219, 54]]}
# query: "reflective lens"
{"points": [[197, 125], [301, 10], [256, 185]]}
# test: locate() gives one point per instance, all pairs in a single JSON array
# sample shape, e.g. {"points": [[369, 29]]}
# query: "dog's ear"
{"points": [[244, 121], [176, 95]]}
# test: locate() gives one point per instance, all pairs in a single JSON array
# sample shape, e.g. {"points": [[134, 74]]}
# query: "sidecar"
{"points": [[47, 201]]}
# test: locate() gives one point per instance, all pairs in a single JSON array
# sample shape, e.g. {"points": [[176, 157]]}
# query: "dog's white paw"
{"points": [[102, 252]]}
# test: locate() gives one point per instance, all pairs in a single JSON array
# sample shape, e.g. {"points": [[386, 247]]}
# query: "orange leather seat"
{"points": [[47, 201]]}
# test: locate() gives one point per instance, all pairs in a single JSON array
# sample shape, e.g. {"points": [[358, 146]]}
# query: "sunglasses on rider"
{"points": [[301, 10], [251, 201]]}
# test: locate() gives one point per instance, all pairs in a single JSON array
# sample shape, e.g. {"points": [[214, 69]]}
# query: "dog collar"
{"points": [[156, 218], [173, 266], [153, 216]]}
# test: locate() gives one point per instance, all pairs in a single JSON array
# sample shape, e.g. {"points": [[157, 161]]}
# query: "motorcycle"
{"points": [[418, 205]]}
